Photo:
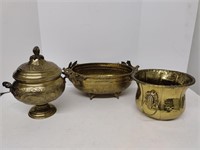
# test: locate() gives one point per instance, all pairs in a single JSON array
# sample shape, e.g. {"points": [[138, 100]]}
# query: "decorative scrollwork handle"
{"points": [[2, 93], [71, 65], [68, 72], [7, 85], [74, 77], [135, 69]]}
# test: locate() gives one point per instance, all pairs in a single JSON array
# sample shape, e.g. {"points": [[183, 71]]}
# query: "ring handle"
{"points": [[7, 85]]}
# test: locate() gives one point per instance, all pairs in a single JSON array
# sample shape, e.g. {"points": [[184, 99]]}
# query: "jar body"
{"points": [[161, 93], [38, 93], [162, 103]]}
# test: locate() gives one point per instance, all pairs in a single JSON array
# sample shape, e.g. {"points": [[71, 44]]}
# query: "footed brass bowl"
{"points": [[100, 78], [161, 93]]}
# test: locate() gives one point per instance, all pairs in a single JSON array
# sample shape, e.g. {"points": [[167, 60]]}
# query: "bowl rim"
{"points": [[156, 69], [102, 75]]}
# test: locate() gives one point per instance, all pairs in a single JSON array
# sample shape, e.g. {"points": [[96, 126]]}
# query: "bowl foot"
{"points": [[42, 111], [117, 95], [91, 95]]}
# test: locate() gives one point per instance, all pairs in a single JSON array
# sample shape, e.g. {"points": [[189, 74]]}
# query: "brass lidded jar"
{"points": [[37, 82]]}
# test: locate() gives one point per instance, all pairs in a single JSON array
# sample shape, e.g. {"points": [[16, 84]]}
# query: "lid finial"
{"points": [[36, 50]]}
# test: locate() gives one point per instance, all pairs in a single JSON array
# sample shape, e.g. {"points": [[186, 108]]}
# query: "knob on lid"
{"points": [[36, 51], [37, 69]]}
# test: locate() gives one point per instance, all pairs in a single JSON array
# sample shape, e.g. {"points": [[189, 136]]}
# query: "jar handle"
{"points": [[7, 85]]}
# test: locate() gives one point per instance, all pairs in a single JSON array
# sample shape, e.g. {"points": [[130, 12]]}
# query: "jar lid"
{"points": [[37, 69]]}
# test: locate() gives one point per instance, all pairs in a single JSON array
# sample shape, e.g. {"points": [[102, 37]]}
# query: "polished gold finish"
{"points": [[37, 82], [97, 79], [161, 93]]}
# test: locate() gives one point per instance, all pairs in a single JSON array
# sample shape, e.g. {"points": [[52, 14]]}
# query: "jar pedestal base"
{"points": [[42, 111]]}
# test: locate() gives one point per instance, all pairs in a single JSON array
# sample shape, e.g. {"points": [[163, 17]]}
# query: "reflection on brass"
{"points": [[161, 93], [37, 82], [97, 79]]}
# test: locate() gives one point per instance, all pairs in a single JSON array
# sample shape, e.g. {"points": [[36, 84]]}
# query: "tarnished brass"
{"points": [[37, 82], [161, 93], [97, 79]]}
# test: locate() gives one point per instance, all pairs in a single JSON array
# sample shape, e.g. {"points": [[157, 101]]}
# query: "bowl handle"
{"points": [[134, 69], [74, 77]]}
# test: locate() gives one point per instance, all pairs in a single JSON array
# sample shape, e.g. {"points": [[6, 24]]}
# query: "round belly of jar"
{"points": [[40, 93]]}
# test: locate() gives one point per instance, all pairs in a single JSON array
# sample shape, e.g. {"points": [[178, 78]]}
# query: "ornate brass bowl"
{"points": [[161, 93], [97, 79], [37, 82]]}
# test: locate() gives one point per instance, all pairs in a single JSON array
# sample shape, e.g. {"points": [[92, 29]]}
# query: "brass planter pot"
{"points": [[97, 79], [37, 82], [161, 93]]}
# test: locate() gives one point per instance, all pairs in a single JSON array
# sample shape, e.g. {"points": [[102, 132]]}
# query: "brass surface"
{"points": [[37, 82], [97, 79], [161, 93], [42, 111]]}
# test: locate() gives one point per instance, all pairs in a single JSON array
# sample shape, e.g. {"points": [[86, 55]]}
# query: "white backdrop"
{"points": [[1, 16], [20, 30], [90, 31], [153, 34], [150, 33], [194, 62]]}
